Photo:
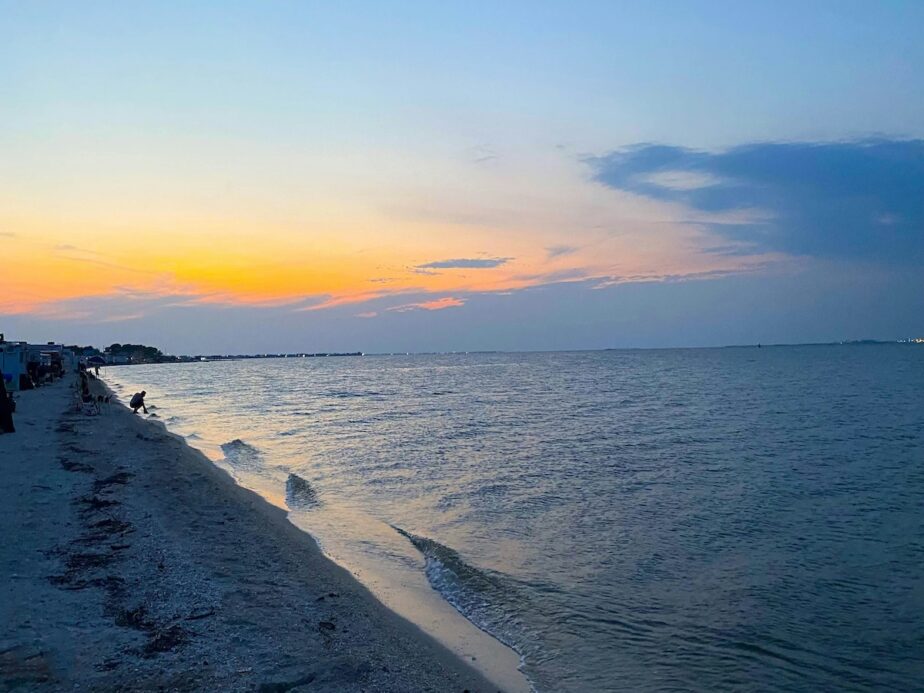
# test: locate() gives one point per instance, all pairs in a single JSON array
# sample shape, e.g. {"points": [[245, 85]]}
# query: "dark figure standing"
{"points": [[137, 402], [85, 395], [6, 410]]}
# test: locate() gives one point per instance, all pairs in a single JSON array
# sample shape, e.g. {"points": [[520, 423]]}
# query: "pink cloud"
{"points": [[435, 304], [334, 301]]}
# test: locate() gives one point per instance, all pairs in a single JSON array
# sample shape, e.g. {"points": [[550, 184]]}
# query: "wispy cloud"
{"points": [[681, 180], [325, 301], [482, 154], [435, 304], [605, 282], [121, 318], [125, 304], [560, 250], [565, 275], [92, 257], [465, 263]]}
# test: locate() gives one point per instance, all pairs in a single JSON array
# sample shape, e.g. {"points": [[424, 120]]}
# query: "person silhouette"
{"points": [[6, 410], [137, 402]]}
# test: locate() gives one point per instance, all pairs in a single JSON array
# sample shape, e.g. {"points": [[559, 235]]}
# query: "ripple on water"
{"points": [[626, 520]]}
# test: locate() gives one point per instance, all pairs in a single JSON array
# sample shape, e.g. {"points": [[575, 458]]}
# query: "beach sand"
{"points": [[129, 561]]}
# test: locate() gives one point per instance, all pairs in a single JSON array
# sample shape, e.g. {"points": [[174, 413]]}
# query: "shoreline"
{"points": [[396, 571], [139, 563]]}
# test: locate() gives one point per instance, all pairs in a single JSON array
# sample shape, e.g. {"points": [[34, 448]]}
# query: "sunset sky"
{"points": [[280, 176]]}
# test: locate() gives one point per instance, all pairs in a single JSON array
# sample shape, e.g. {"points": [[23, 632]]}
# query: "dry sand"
{"points": [[131, 562]]}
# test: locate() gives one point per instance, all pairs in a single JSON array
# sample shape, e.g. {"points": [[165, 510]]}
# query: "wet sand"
{"points": [[130, 561]]}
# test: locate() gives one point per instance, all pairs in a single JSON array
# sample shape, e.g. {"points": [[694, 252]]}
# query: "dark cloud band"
{"points": [[466, 263], [861, 199]]}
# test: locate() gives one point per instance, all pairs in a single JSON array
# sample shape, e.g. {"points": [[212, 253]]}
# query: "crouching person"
{"points": [[137, 402]]}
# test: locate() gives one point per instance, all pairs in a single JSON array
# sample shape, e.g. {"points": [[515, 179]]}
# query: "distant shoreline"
{"points": [[253, 357]]}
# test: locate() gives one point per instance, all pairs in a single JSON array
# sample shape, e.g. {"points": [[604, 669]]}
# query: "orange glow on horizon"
{"points": [[329, 255], [39, 274]]}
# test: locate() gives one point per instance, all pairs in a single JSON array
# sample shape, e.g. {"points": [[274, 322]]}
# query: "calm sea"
{"points": [[625, 520]]}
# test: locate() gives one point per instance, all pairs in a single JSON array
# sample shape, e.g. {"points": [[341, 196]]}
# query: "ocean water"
{"points": [[693, 519]]}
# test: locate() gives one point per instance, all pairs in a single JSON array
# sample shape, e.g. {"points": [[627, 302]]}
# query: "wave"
{"points": [[241, 454], [300, 493], [347, 394], [489, 599]]}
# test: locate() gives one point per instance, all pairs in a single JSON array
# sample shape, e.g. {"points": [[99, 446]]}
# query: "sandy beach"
{"points": [[131, 562]]}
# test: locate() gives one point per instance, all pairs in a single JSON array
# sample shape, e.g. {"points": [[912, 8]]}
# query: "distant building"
{"points": [[13, 360], [51, 354]]}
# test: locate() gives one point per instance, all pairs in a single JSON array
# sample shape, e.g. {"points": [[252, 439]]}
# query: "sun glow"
{"points": [[327, 244], [320, 270]]}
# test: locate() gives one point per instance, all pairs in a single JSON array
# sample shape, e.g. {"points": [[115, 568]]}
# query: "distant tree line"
{"points": [[138, 353], [83, 350]]}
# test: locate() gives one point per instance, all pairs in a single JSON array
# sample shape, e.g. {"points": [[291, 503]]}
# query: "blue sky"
{"points": [[433, 176]]}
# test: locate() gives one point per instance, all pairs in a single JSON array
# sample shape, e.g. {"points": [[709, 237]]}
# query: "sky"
{"points": [[249, 177]]}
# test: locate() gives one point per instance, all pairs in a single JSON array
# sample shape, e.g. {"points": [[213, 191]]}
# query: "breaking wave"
{"points": [[241, 454], [489, 599], [300, 493]]}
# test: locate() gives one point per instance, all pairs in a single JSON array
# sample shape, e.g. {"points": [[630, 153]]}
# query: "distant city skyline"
{"points": [[275, 177]]}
